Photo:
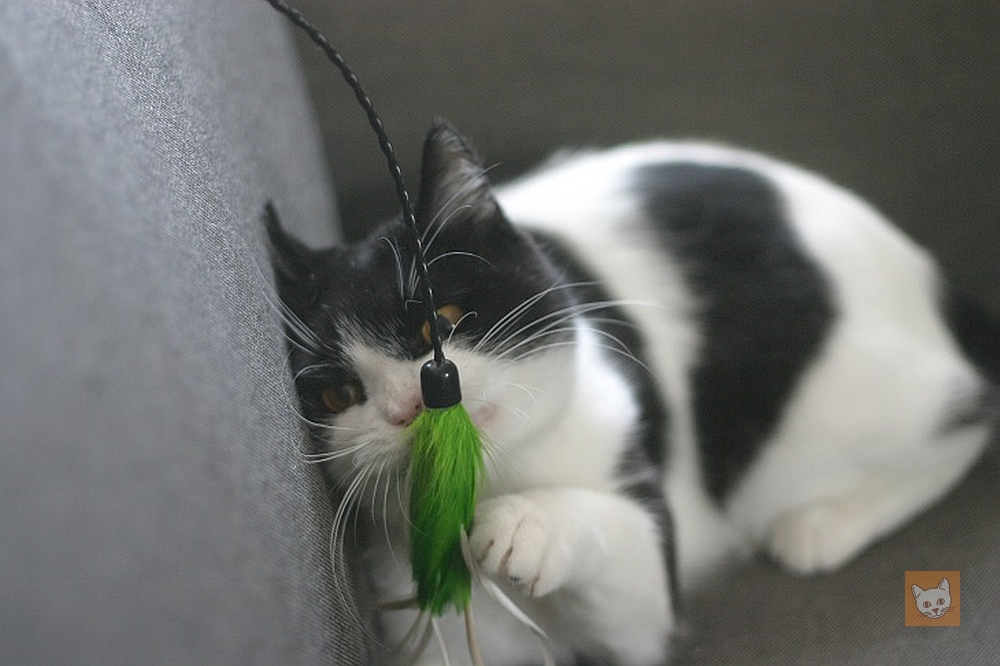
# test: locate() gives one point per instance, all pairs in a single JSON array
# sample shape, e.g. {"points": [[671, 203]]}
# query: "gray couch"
{"points": [[156, 503], [157, 506]]}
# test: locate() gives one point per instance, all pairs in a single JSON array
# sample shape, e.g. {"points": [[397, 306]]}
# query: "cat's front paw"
{"points": [[819, 537], [515, 539]]}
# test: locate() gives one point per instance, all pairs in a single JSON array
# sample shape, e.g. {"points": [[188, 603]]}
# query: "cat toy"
{"points": [[446, 460]]}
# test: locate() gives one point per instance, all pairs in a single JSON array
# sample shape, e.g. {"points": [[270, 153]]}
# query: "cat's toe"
{"points": [[817, 538], [512, 539], [492, 534]]}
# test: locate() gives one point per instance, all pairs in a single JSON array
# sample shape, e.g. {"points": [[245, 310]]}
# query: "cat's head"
{"points": [[356, 320], [933, 602]]}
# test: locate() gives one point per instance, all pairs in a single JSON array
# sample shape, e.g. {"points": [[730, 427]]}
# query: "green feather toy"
{"points": [[445, 466], [446, 461]]}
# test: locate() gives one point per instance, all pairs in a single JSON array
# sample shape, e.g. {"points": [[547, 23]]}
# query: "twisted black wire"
{"points": [[296, 17]]}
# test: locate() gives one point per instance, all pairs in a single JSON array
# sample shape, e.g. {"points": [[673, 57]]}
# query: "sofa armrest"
{"points": [[157, 505]]}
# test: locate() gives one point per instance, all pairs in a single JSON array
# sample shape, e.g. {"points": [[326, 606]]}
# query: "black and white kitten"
{"points": [[675, 352]]}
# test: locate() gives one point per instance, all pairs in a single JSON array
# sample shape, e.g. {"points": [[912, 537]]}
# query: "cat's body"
{"points": [[676, 321]]}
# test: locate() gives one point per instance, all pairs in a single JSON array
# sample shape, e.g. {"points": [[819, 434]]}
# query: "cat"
{"points": [[676, 353], [933, 602]]}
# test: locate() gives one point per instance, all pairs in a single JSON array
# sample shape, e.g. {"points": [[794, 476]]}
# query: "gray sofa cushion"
{"points": [[157, 507]]}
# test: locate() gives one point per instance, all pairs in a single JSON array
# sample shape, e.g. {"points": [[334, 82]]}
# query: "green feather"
{"points": [[446, 462]]}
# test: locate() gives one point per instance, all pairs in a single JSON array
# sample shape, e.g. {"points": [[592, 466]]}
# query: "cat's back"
{"points": [[675, 223], [766, 294], [589, 196]]}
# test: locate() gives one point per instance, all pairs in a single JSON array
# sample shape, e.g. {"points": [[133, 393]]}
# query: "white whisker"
{"points": [[552, 331], [318, 424], [378, 480], [308, 341], [415, 641], [508, 408], [341, 574], [389, 483], [293, 406], [468, 186], [531, 340], [440, 227], [457, 253], [569, 343], [399, 266], [454, 328], [548, 325], [511, 317], [352, 495], [561, 315], [310, 368], [529, 390], [330, 456], [501, 466], [371, 475], [301, 335], [413, 278], [442, 645]]}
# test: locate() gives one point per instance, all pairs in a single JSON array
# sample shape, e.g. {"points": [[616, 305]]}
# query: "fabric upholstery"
{"points": [[157, 506]]}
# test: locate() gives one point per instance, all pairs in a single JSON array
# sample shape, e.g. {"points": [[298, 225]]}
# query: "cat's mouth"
{"points": [[481, 416]]}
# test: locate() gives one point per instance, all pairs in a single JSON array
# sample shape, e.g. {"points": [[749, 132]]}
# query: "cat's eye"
{"points": [[927, 604], [338, 398], [448, 318]]}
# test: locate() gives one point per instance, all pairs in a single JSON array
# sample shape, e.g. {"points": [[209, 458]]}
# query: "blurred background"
{"points": [[898, 100]]}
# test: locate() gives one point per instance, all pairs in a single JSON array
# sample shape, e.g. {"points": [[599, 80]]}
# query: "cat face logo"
{"points": [[933, 599], [934, 602]]}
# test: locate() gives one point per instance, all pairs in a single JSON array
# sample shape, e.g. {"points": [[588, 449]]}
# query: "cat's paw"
{"points": [[819, 537], [514, 539]]}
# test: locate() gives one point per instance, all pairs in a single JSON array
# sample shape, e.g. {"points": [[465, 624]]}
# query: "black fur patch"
{"points": [[975, 330], [765, 307], [978, 336]]}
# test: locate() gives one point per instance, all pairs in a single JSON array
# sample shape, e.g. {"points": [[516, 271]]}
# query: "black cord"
{"points": [[296, 17]]}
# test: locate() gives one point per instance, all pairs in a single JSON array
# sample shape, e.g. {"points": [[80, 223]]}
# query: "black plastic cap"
{"points": [[440, 385]]}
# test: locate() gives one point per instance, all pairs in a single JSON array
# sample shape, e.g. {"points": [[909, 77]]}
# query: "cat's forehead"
{"points": [[380, 273], [355, 279], [364, 274]]}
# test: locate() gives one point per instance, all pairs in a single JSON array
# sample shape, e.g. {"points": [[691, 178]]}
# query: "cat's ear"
{"points": [[917, 590], [288, 255], [944, 585], [294, 274], [452, 180]]}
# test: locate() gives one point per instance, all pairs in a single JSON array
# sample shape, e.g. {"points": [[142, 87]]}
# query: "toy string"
{"points": [[296, 17]]}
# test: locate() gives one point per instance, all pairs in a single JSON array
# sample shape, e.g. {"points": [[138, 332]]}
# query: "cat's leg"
{"points": [[591, 567], [826, 533]]}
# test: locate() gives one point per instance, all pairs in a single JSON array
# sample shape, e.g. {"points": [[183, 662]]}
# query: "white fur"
{"points": [[859, 450], [857, 453]]}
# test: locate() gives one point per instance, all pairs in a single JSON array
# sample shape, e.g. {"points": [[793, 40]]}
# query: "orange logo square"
{"points": [[932, 598]]}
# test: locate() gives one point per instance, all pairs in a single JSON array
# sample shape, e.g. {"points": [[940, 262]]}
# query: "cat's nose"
{"points": [[404, 413]]}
